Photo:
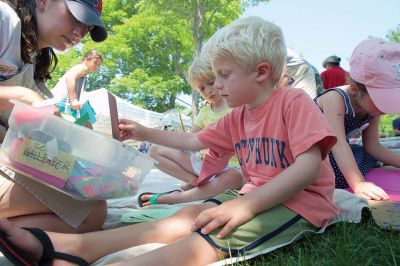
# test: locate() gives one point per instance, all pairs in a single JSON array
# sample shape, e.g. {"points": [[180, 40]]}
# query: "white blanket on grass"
{"points": [[350, 211]]}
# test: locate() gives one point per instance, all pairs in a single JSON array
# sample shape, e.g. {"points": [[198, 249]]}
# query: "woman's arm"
{"points": [[375, 148], [19, 93]]}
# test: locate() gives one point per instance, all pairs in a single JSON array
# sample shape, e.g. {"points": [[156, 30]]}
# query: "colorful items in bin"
{"points": [[92, 181], [32, 158], [100, 187], [20, 117], [71, 158]]}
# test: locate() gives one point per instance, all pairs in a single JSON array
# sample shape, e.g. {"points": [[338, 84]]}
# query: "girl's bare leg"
{"points": [[95, 245], [173, 162], [229, 179]]}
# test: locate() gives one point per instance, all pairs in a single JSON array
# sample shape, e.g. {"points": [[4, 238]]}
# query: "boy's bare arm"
{"points": [[174, 139], [233, 213]]}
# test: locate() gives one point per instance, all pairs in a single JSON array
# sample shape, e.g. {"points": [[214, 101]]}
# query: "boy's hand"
{"points": [[131, 130], [228, 215], [369, 190]]}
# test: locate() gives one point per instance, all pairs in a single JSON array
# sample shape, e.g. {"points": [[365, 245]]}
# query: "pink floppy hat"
{"points": [[376, 64]]}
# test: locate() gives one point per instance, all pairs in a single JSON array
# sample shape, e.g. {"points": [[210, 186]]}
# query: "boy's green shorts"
{"points": [[270, 229]]}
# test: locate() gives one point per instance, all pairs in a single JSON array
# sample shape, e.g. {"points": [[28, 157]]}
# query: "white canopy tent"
{"points": [[99, 101]]}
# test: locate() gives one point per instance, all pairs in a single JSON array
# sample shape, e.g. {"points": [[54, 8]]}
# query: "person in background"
{"points": [[68, 89], [373, 90], [186, 165], [281, 140], [305, 76], [29, 31], [396, 126], [334, 75]]}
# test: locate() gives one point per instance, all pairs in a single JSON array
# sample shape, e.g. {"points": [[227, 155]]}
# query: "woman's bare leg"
{"points": [[24, 210], [173, 162], [95, 245], [228, 179]]}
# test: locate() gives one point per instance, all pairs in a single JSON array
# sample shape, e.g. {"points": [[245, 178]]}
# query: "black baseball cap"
{"points": [[89, 12]]}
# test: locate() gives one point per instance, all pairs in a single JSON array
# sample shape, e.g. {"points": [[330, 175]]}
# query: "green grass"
{"points": [[342, 244], [386, 124]]}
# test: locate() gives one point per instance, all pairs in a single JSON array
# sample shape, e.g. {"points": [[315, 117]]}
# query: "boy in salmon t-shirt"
{"points": [[281, 140]]}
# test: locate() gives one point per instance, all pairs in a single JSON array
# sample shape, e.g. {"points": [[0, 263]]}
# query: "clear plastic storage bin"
{"points": [[71, 158]]}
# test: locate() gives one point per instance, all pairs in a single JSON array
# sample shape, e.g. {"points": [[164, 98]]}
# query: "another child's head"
{"points": [[201, 78], [250, 42], [375, 74], [92, 60], [58, 24]]}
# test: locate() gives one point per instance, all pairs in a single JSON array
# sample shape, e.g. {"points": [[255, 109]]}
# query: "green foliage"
{"points": [[386, 124], [394, 34], [150, 46]]}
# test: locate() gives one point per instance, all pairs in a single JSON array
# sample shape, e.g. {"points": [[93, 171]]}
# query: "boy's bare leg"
{"points": [[25, 210], [95, 245], [229, 179], [173, 162], [191, 251]]}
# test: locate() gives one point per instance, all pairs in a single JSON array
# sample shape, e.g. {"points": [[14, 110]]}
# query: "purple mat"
{"points": [[387, 179]]}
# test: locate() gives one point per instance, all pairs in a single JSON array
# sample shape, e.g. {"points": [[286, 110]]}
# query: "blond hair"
{"points": [[250, 41], [200, 71]]}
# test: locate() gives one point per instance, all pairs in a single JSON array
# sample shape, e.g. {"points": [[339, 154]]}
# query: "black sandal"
{"points": [[12, 253]]}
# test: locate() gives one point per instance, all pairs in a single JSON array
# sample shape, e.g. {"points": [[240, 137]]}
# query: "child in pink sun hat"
{"points": [[373, 90]]}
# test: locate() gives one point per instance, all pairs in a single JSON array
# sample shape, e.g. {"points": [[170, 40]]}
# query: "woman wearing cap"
{"points": [[373, 90], [29, 30]]}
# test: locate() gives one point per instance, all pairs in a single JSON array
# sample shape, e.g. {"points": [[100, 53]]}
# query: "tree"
{"points": [[150, 45], [204, 16], [394, 34]]}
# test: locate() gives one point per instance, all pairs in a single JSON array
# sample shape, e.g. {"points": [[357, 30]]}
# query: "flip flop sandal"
{"points": [[12, 253], [153, 199]]}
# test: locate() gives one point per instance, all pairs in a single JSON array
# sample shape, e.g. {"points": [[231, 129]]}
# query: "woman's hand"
{"points": [[369, 191], [228, 215]]}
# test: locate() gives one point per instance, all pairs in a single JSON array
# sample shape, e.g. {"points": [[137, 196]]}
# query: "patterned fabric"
{"points": [[365, 162]]}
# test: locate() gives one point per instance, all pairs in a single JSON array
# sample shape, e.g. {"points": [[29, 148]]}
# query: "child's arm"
{"points": [[372, 145], [22, 94], [333, 109], [233, 213], [195, 128], [72, 75], [173, 139]]}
